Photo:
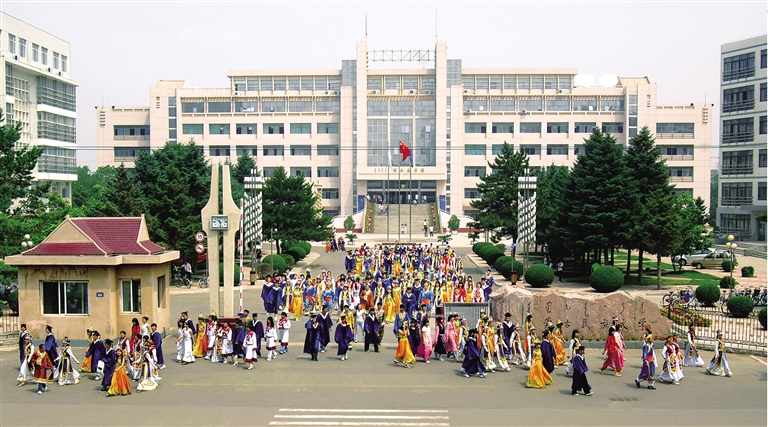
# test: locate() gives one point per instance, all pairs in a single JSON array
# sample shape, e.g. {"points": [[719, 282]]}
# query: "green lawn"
{"points": [[691, 278]]}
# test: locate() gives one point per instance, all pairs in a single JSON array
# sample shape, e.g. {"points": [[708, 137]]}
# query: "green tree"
{"points": [[90, 185], [693, 233], [663, 223], [552, 210], [600, 197], [16, 165], [245, 164], [290, 205], [497, 206], [714, 193]]}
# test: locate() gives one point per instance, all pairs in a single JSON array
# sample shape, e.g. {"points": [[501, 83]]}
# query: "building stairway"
{"points": [[413, 216]]}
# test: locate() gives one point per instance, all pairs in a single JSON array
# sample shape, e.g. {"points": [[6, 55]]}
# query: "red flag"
{"points": [[405, 151]]}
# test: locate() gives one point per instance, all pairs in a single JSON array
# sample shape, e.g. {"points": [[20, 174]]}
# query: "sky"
{"points": [[120, 48]]}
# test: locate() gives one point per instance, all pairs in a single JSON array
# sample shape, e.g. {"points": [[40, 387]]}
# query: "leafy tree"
{"points": [[662, 223], [349, 223], [90, 185], [16, 166], [243, 167], [498, 203], [454, 222], [290, 205], [714, 193], [693, 233], [552, 210]]}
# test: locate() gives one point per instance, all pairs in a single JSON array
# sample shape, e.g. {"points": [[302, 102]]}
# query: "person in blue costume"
{"points": [[580, 369], [96, 350], [50, 346], [471, 364], [109, 365], [548, 352], [343, 337], [648, 369], [312, 339], [325, 324]]}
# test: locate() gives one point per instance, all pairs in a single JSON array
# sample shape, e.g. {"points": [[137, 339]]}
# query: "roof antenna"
{"points": [[366, 24], [435, 22]]}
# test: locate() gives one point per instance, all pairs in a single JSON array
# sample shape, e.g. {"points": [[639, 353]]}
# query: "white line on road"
{"points": [[369, 417], [442, 411], [348, 423], [759, 360]]}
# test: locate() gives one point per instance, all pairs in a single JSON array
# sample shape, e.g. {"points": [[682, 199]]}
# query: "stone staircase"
{"points": [[416, 226]]}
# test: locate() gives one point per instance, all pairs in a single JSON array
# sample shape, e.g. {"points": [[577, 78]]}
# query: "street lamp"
{"points": [[731, 245], [26, 243], [271, 258]]}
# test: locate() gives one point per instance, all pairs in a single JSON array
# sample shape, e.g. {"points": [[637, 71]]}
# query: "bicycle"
{"points": [[670, 298], [686, 298], [203, 282], [180, 279]]}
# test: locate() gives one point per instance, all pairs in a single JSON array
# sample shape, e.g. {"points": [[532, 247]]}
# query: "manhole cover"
{"points": [[625, 399]]}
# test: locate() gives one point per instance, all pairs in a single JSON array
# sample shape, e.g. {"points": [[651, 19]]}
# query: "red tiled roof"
{"points": [[65, 249]]}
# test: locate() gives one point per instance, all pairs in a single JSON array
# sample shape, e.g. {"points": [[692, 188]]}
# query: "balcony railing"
{"points": [[737, 169], [735, 201], [678, 157], [741, 73], [736, 137], [681, 178], [688, 135], [730, 107]]}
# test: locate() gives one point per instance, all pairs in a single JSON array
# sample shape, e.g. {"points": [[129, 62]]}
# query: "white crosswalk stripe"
{"points": [[361, 417]]}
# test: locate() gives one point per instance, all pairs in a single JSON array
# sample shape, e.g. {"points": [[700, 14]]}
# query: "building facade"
{"points": [[40, 94], [743, 151], [341, 128]]}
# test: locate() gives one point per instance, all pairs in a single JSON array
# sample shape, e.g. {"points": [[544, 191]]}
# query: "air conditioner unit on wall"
{"points": [[426, 92]]}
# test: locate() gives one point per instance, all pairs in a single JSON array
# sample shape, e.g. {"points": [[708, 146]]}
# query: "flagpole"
{"points": [[399, 188], [386, 187], [410, 190]]}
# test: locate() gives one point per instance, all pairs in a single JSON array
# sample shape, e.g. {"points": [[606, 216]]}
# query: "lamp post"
{"points": [[731, 245], [271, 258], [26, 243]]}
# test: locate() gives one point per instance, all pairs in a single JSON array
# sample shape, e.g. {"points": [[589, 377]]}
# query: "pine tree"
{"points": [[552, 210]]}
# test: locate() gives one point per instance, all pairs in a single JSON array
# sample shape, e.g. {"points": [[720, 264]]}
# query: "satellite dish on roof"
{"points": [[608, 80], [583, 80]]}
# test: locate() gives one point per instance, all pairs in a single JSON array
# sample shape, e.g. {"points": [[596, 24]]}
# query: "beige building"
{"points": [[99, 272], [40, 94], [341, 127], [743, 137]]}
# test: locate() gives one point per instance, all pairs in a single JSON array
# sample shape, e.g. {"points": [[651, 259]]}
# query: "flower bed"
{"points": [[685, 317]]}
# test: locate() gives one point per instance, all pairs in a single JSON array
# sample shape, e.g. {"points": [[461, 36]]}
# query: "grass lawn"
{"points": [[691, 278]]}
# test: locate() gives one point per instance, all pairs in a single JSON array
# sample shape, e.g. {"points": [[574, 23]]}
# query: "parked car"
{"points": [[714, 260], [695, 255]]}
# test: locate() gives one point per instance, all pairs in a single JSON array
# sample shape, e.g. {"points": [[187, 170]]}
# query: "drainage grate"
{"points": [[625, 399]]}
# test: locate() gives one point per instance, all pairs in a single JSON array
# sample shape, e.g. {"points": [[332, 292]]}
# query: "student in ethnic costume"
{"points": [[538, 377], [692, 357], [403, 354], [669, 372], [184, 344], [157, 340], [200, 348], [472, 364], [440, 347], [558, 341], [573, 348], [517, 355], [449, 337], [147, 381], [270, 337], [485, 336], [66, 374], [501, 349], [343, 337], [579, 368], [427, 345], [648, 369], [95, 352], [250, 347], [312, 338], [42, 364], [615, 357], [283, 325], [719, 365], [120, 386], [25, 373]]}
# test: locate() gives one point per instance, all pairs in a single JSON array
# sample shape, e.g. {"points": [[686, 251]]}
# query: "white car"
{"points": [[695, 255]]}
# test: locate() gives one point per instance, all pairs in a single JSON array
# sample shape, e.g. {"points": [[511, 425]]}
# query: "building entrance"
{"points": [[402, 192]]}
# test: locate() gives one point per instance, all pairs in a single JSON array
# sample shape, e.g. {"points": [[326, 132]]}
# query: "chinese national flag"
{"points": [[405, 151]]}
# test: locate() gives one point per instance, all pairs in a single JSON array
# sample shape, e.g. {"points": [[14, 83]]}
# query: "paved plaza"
{"points": [[368, 389]]}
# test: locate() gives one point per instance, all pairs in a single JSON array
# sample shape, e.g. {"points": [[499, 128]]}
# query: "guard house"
{"points": [[99, 272]]}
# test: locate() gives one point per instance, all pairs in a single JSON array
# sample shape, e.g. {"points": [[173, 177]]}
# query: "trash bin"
{"points": [[514, 278], [252, 278]]}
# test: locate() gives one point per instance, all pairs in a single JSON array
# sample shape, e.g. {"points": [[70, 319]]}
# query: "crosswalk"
{"points": [[361, 417]]}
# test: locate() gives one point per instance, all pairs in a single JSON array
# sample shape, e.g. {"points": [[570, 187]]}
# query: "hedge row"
{"points": [[494, 256]]}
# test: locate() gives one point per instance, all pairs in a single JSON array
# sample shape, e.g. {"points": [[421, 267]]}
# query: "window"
{"points": [[56, 127], [763, 92], [476, 104], [129, 154], [327, 128], [503, 127], [736, 194], [613, 127], [306, 172], [22, 48], [377, 108], [374, 83], [761, 190], [550, 83], [192, 106], [530, 104], [57, 160], [393, 82], [247, 150], [161, 292], [307, 83], [246, 128], [739, 67], [321, 83], [300, 128], [301, 150], [557, 150], [471, 193], [496, 83], [530, 127], [401, 108], [273, 106], [684, 151], [327, 150], [680, 174], [585, 104], [496, 149], [328, 106], [330, 193], [565, 82], [738, 130], [674, 130], [739, 99], [12, 43], [762, 158], [274, 128], [763, 125], [558, 104], [481, 82], [737, 162], [131, 132], [56, 57], [475, 128], [64, 297], [503, 104], [509, 82], [584, 127], [468, 82], [425, 108], [219, 107], [537, 82], [279, 83], [35, 52], [531, 150], [608, 104], [557, 127], [218, 128], [763, 59], [44, 55], [55, 93], [218, 150], [246, 106], [428, 83], [736, 224], [474, 150], [474, 171], [578, 149], [266, 83], [524, 82], [273, 150], [130, 295], [300, 106], [328, 172]]}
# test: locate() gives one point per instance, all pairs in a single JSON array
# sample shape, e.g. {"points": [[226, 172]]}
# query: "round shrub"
{"points": [[708, 294], [606, 279], [276, 261], [517, 267], [485, 250], [493, 257], [13, 301], [740, 306], [762, 317], [221, 274], [727, 266], [476, 247], [297, 252], [748, 271], [501, 260], [539, 276], [306, 246], [289, 259], [728, 282]]}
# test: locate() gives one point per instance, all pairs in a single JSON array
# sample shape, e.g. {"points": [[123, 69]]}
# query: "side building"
{"points": [[341, 128], [39, 93], [743, 137]]}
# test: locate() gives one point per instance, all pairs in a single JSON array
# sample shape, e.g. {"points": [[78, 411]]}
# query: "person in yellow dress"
{"points": [[86, 366], [358, 264], [201, 343], [120, 386], [558, 343], [390, 309], [538, 377], [403, 354], [296, 301], [397, 294]]}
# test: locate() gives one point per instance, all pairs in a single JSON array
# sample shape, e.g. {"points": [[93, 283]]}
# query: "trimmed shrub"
{"points": [[508, 266], [306, 246], [727, 266], [275, 261], [748, 271], [606, 279], [493, 257], [297, 252], [263, 270], [476, 247], [762, 317], [517, 267], [501, 260], [289, 259], [13, 301], [708, 294], [486, 250], [221, 274], [501, 246], [728, 282], [740, 306], [539, 276]]}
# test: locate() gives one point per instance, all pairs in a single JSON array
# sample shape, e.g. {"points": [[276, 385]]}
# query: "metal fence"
{"points": [[470, 310], [9, 325], [740, 333]]}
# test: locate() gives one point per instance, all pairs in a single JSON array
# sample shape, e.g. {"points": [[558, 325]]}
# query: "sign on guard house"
{"points": [[99, 272]]}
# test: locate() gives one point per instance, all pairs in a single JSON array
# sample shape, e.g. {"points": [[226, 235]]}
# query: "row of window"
{"points": [[251, 128], [287, 83], [273, 105], [549, 103], [55, 93], [55, 127], [552, 127], [71, 298], [740, 193], [742, 66], [422, 108], [131, 132], [743, 130], [39, 53], [742, 162], [57, 160], [130, 153], [401, 82], [516, 82], [686, 151]]}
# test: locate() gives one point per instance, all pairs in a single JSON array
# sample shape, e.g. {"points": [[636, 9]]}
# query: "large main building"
{"points": [[341, 128]]}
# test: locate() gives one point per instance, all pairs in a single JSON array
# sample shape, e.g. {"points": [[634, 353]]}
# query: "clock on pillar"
{"points": [[219, 222]]}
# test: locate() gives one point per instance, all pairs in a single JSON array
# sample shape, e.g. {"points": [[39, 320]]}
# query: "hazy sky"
{"points": [[120, 49]]}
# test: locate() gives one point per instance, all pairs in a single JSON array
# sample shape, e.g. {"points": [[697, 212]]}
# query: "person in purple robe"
{"points": [[268, 295], [312, 339], [324, 326], [258, 329], [371, 329], [157, 339], [96, 350], [109, 365], [343, 337], [507, 329], [414, 336], [471, 364], [23, 334], [548, 353], [580, 373], [238, 339], [50, 346], [409, 300]]}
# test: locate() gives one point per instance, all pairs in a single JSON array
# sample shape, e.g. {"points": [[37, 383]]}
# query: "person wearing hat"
{"points": [[558, 341], [539, 376], [648, 369], [65, 373], [23, 334], [200, 348], [343, 337], [50, 345], [109, 360], [579, 364], [238, 338], [325, 324], [530, 339], [719, 365], [157, 340], [471, 364], [42, 364], [24, 370], [96, 351], [312, 339], [283, 326]]}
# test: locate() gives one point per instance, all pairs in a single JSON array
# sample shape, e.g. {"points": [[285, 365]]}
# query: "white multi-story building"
{"points": [[39, 93], [743, 136], [341, 128]]}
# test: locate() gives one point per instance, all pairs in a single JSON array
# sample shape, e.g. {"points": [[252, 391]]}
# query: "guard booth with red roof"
{"points": [[99, 272]]}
